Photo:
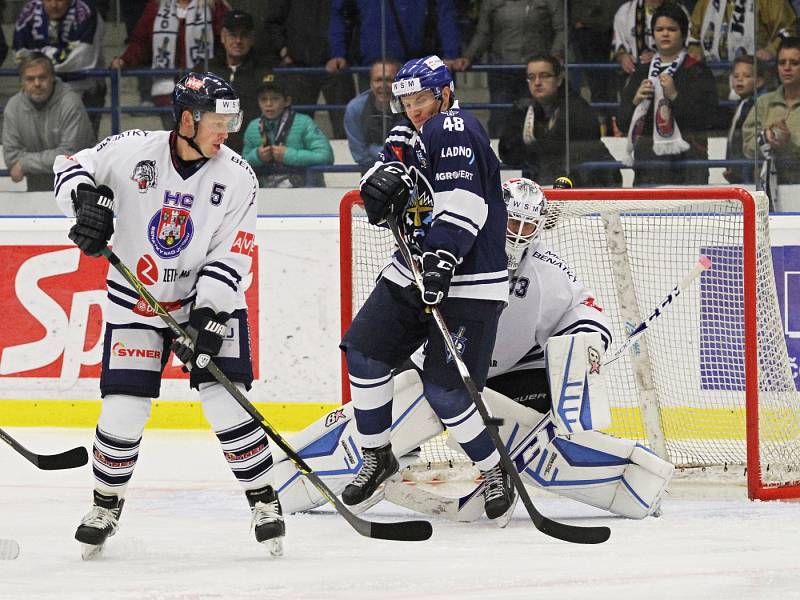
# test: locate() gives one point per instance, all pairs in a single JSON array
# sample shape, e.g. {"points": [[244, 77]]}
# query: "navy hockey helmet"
{"points": [[420, 74], [206, 92]]}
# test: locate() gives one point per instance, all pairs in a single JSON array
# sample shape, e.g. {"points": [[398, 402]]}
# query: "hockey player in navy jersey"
{"points": [[547, 304], [440, 180], [186, 217]]}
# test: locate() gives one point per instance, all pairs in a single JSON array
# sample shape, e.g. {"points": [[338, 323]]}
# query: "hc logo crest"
{"points": [[145, 175], [170, 231], [334, 417], [459, 341]]}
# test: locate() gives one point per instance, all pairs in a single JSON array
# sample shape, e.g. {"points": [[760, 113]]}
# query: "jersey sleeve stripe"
{"points": [[66, 178], [227, 268], [219, 277], [587, 326], [120, 302], [460, 204]]}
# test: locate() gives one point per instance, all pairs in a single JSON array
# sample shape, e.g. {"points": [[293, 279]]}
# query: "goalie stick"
{"points": [[9, 549], [562, 531], [703, 263], [409, 531], [76, 457]]}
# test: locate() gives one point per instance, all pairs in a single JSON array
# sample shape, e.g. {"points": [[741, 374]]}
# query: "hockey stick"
{"points": [[403, 531], [77, 457], [703, 263], [9, 549], [562, 531]]}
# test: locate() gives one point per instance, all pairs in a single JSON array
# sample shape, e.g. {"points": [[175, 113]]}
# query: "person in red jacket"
{"points": [[173, 34]]}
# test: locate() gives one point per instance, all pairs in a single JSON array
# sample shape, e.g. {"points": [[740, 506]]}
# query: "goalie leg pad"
{"points": [[577, 384], [613, 474], [330, 445]]}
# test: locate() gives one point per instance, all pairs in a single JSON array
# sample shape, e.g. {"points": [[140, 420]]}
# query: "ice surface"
{"points": [[184, 535]]}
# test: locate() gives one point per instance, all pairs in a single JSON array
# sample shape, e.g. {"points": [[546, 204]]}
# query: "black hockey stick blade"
{"points": [[76, 457], [562, 531], [411, 531]]}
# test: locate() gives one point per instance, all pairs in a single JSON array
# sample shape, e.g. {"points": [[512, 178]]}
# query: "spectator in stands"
{"points": [[747, 81], [70, 33], [725, 29], [44, 119], [239, 64], [369, 117], [282, 143], [297, 32], [667, 106], [777, 131], [130, 11], [511, 32], [633, 41], [173, 34], [535, 136], [412, 29]]}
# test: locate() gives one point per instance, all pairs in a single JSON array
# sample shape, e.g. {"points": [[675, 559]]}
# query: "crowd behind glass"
{"points": [[590, 92]]}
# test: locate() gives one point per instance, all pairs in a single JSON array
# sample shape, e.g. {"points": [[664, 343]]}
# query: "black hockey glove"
{"points": [[437, 271], [205, 331], [385, 191], [94, 211]]}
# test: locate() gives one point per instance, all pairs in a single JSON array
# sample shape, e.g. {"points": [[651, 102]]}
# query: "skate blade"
{"points": [[9, 549], [505, 518], [90, 551], [379, 495], [274, 546]]}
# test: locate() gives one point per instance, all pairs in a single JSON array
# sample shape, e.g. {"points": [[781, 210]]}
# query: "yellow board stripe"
{"points": [[290, 416], [678, 422]]}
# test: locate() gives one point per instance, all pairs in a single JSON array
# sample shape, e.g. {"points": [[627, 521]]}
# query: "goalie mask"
{"points": [[527, 210]]}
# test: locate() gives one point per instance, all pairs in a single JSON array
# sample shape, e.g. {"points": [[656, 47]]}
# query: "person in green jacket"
{"points": [[281, 143]]}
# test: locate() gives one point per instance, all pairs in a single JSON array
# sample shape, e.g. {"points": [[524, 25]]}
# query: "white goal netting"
{"points": [[712, 363]]}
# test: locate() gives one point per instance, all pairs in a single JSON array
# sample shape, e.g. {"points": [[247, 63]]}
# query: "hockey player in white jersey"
{"points": [[186, 217], [549, 308]]}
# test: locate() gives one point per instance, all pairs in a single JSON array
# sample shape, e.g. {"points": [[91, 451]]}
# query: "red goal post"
{"points": [[710, 383]]}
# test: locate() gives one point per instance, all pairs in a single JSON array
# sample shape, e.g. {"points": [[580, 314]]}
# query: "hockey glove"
{"points": [[437, 271], [205, 332], [385, 191], [94, 211]]}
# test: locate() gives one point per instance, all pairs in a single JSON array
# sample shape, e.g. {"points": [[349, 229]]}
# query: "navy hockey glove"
{"points": [[437, 271], [94, 211], [205, 331], [385, 191]]}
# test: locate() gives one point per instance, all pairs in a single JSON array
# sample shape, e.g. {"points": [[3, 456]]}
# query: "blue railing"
{"points": [[115, 109]]}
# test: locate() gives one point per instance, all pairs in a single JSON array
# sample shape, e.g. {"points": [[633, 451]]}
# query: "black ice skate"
{"points": [[99, 524], [500, 496], [267, 519], [367, 489]]}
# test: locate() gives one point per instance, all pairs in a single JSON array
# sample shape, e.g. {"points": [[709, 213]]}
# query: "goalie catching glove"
{"points": [[205, 332], [94, 212], [385, 192], [437, 271]]}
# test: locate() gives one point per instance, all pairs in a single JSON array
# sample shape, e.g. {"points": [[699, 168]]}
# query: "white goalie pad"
{"points": [[330, 445], [609, 473], [577, 383], [614, 474]]}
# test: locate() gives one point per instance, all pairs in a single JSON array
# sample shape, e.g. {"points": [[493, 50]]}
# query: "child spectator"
{"points": [[282, 143], [746, 84]]}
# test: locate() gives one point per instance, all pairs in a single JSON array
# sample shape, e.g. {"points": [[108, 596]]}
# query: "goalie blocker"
{"points": [[613, 474]]}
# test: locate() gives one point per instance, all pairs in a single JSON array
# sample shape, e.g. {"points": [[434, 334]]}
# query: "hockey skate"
{"points": [[267, 519], [367, 488], [500, 495], [99, 524]]}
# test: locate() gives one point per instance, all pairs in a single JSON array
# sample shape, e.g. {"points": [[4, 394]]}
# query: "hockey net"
{"points": [[709, 383]]}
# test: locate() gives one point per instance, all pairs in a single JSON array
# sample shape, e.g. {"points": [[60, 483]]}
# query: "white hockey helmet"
{"points": [[527, 209]]}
